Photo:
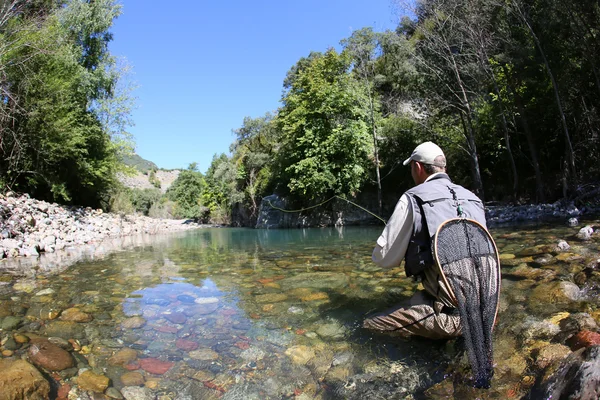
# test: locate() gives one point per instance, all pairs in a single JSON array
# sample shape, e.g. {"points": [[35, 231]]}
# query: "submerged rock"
{"points": [[49, 356], [91, 381], [21, 380]]}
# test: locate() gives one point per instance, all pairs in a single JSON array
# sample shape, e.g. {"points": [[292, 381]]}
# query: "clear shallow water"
{"points": [[243, 314]]}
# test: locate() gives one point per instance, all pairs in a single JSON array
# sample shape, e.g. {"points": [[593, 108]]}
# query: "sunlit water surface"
{"points": [[257, 314]]}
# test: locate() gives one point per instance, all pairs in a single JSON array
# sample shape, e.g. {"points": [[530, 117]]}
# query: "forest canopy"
{"points": [[509, 89]]}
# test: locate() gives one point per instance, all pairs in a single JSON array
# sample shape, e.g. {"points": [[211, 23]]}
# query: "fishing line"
{"points": [[324, 202]]}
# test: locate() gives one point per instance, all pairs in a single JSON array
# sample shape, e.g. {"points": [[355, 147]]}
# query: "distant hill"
{"points": [[139, 163], [148, 175]]}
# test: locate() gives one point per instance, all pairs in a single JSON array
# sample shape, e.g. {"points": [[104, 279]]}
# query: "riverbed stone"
{"points": [[76, 315], [49, 356], [155, 366], [583, 339], [64, 329], [175, 317], [132, 379], [186, 345], [123, 356], [331, 330], [270, 298], [91, 381], [316, 280], [553, 294], [550, 354], [20, 380], [133, 323], [10, 323], [300, 354], [137, 393], [203, 354]]}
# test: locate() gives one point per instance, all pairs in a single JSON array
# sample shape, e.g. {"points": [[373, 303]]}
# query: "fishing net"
{"points": [[467, 257]]}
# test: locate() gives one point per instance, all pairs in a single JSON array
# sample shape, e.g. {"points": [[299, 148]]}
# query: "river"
{"points": [[274, 314]]}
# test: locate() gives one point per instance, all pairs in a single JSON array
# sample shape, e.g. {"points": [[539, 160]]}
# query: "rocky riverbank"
{"points": [[29, 227], [342, 213]]}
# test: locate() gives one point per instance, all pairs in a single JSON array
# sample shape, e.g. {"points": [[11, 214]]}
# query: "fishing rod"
{"points": [[324, 202]]}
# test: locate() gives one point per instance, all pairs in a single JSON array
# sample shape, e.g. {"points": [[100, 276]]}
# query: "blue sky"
{"points": [[202, 66]]}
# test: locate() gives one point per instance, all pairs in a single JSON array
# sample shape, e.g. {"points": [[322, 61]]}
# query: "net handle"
{"points": [[438, 266]]}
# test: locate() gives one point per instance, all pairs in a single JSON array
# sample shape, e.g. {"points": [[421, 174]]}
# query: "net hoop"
{"points": [[441, 271]]}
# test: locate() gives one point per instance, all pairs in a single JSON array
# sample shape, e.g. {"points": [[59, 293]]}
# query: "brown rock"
{"points": [[49, 356], [75, 315], [204, 354], [21, 380], [123, 356], [92, 382], [186, 345], [155, 366], [584, 339], [550, 354], [132, 379]]}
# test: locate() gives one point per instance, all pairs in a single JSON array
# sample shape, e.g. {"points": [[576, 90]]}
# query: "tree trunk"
{"points": [[539, 185], [569, 148], [468, 129]]}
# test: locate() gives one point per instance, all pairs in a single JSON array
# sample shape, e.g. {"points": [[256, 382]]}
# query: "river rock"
{"points": [[49, 356], [186, 345], [20, 380], [331, 330], [550, 354], [91, 381], [137, 393], [584, 339], [585, 233], [133, 323], [155, 366], [553, 294], [75, 315], [132, 379], [175, 318], [563, 246], [123, 356], [577, 377], [10, 323], [316, 280], [270, 298], [300, 354], [203, 354], [64, 329]]}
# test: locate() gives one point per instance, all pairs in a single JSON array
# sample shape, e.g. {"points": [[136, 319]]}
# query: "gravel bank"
{"points": [[29, 227]]}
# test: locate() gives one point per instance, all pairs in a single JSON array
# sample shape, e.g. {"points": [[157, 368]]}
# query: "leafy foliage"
{"points": [[55, 68], [186, 193]]}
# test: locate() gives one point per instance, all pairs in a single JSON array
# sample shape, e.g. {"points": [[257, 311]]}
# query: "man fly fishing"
{"points": [[438, 228]]}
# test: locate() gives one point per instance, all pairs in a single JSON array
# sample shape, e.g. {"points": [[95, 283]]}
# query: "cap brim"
{"points": [[406, 161]]}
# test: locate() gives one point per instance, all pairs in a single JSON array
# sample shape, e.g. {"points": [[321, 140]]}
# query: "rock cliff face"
{"points": [[142, 181]]}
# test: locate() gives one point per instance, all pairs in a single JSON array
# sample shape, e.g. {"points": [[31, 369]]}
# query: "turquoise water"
{"points": [[242, 314]]}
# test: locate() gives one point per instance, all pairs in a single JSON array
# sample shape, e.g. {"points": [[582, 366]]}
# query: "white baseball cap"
{"points": [[426, 153]]}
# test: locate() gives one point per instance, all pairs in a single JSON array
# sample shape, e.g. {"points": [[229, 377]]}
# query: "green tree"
{"points": [[326, 140], [186, 191]]}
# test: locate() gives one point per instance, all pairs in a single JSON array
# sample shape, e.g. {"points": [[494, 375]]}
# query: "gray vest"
{"points": [[434, 202]]}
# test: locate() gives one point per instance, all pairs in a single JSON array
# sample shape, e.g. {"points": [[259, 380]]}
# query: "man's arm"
{"points": [[393, 242]]}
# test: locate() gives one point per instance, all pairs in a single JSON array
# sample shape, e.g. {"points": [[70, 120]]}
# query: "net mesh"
{"points": [[468, 259]]}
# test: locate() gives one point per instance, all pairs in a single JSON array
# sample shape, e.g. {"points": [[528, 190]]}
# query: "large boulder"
{"points": [[20, 380]]}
